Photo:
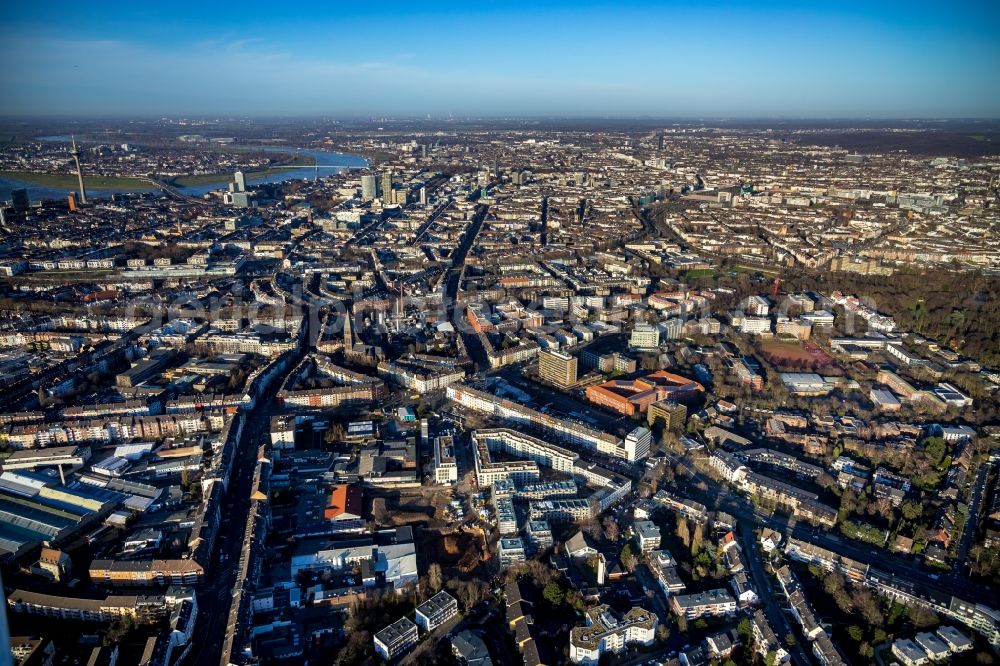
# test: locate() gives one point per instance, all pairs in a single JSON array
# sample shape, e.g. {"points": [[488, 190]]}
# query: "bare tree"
{"points": [[683, 532], [628, 558], [611, 530], [593, 528], [434, 577], [697, 538]]}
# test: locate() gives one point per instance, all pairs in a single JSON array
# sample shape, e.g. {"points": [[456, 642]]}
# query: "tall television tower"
{"points": [[79, 172]]}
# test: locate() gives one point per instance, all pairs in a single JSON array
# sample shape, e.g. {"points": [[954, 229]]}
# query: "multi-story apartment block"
{"points": [[539, 534], [489, 472], [647, 535], [146, 572], [545, 490], [765, 642], [436, 611], [728, 466], [688, 508], [605, 633], [747, 375], [561, 511], [795, 328], [667, 414], [445, 466], [909, 652], [396, 639], [803, 551], [709, 603], [751, 325], [757, 306], [571, 432], [638, 443], [644, 336], [511, 552], [144, 609], [499, 358], [557, 367], [803, 503], [665, 567], [418, 378], [524, 446], [506, 516]]}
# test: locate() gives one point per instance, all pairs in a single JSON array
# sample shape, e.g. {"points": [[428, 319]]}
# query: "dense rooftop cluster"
{"points": [[501, 395]]}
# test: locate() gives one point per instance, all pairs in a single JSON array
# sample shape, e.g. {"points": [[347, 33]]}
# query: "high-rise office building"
{"points": [[241, 182], [19, 198], [637, 443], [557, 367], [387, 187], [668, 414], [369, 187]]}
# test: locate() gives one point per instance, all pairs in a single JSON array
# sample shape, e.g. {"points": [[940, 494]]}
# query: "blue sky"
{"points": [[666, 59]]}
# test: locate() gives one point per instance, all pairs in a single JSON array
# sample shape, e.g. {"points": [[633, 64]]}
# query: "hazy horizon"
{"points": [[544, 60], [719, 120]]}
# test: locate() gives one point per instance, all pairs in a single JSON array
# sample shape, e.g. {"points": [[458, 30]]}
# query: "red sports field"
{"points": [[794, 354]]}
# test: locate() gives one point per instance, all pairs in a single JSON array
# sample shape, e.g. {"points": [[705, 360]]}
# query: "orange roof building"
{"points": [[345, 503], [631, 397]]}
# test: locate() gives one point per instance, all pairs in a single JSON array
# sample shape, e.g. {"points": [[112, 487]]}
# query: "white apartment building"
{"points": [[606, 633], [396, 639], [445, 466], [752, 325], [644, 336], [561, 511], [637, 444], [709, 603], [511, 552], [572, 432], [506, 516], [647, 535], [757, 306], [520, 445], [436, 611]]}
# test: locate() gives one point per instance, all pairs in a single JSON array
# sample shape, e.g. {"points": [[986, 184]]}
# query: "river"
{"points": [[328, 163]]}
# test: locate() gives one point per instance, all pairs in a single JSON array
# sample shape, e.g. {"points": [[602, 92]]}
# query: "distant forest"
{"points": [[961, 310], [979, 143]]}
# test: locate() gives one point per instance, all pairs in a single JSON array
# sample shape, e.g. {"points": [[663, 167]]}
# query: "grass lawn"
{"points": [[207, 179], [741, 268], [376, 157], [699, 273], [58, 180]]}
